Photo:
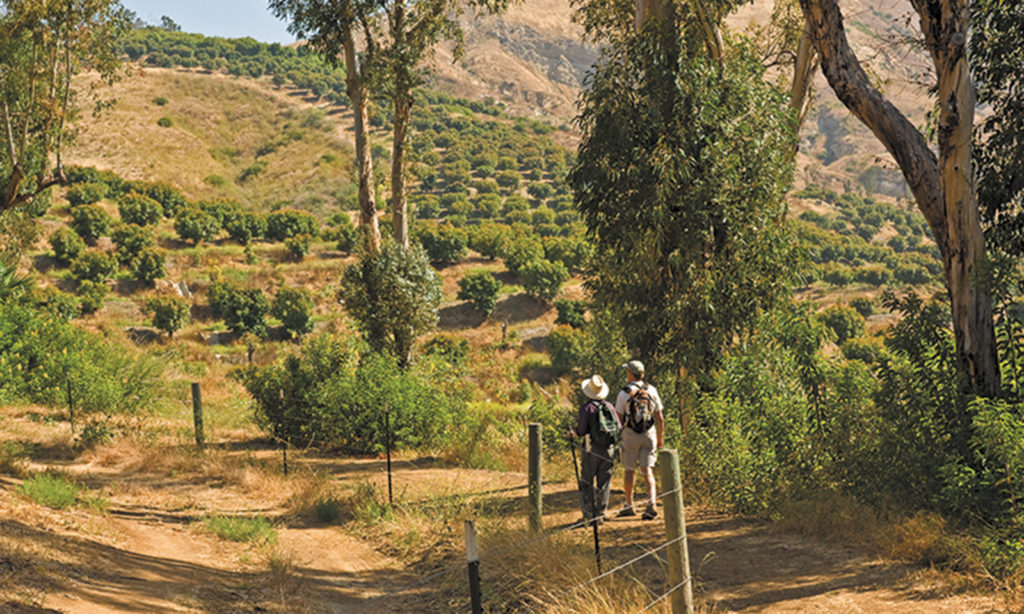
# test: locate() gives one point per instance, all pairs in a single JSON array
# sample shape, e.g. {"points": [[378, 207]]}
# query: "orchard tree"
{"points": [[942, 180], [480, 288], [170, 313], [43, 47]]}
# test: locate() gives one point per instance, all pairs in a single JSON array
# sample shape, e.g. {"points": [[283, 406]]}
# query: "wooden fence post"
{"points": [[675, 529], [197, 414], [473, 562], [536, 511]]}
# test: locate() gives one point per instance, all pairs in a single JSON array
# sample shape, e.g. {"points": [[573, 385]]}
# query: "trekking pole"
{"points": [[575, 465], [387, 445], [579, 484]]}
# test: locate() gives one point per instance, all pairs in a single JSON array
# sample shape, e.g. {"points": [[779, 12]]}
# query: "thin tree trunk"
{"points": [[399, 204], [367, 200], [943, 186], [803, 73]]}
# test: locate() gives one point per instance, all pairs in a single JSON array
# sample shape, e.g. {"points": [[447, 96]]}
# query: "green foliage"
{"points": [[165, 122], [522, 249], [482, 289], [92, 295], [444, 244], [149, 265], [570, 312], [681, 176], [93, 265], [490, 239], [57, 302], [139, 210], [574, 251], [329, 395], [246, 226], [451, 348], [294, 307], [844, 322], [567, 347], [299, 245], [170, 198], [393, 297], [542, 279], [90, 222], [864, 305], [196, 225], [129, 241], [86, 193], [287, 223], [50, 490], [345, 232], [66, 245], [170, 313], [256, 530]]}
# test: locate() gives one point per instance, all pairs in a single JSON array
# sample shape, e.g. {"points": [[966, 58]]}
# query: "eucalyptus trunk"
{"points": [[356, 86], [943, 185], [399, 200]]}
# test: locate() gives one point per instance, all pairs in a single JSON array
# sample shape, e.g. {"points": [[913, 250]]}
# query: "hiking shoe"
{"points": [[650, 513], [626, 511]]}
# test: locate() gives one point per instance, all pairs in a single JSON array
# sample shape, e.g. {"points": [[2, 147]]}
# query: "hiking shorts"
{"points": [[639, 448]]}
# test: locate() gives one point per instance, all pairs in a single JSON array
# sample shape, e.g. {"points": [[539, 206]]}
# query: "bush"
{"points": [[542, 279], [50, 490], [196, 225], [912, 273], [294, 308], [246, 226], [93, 265], [523, 248], [393, 297], [86, 193], [570, 312], [170, 313], [843, 321], [864, 305], [573, 251], [490, 239], [165, 122], [244, 530], [66, 245], [243, 310], [482, 289], [444, 244], [287, 223], [92, 294], [149, 265], [139, 210], [346, 233], [90, 222], [299, 246], [170, 198], [130, 240], [56, 302], [873, 274], [567, 347]]}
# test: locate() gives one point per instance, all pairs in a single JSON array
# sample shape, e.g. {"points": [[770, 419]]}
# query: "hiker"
{"points": [[596, 418], [639, 409]]}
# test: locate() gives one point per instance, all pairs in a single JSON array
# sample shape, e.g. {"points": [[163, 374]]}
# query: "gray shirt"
{"points": [[622, 401]]}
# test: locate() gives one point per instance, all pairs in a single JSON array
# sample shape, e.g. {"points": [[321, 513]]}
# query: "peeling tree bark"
{"points": [[803, 72], [943, 185], [367, 199]]}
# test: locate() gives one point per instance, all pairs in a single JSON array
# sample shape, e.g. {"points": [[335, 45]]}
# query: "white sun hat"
{"points": [[594, 387]]}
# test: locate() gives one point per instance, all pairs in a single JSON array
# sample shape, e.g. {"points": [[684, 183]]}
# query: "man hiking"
{"points": [[639, 409], [596, 418]]}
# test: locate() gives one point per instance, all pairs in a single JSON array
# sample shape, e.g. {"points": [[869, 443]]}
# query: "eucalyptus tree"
{"points": [[943, 182]]}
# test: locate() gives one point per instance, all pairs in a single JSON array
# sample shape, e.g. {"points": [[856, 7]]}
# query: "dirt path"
{"points": [[153, 559]]}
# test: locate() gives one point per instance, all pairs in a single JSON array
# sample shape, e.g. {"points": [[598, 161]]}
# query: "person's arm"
{"points": [[620, 406], [582, 422], [659, 416]]}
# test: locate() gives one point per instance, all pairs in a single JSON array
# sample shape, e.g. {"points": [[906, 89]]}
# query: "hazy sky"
{"points": [[232, 19]]}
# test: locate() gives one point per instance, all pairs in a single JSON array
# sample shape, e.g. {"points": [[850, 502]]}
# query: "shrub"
{"points": [[444, 244], [92, 294], [66, 245], [346, 233], [865, 349], [299, 246], [294, 308], [567, 347], [523, 248], [543, 279], [130, 240], [93, 265], [571, 312], [196, 225], [482, 289], [508, 179], [165, 122], [54, 301], [239, 529], [86, 193], [169, 313], [90, 222], [490, 239], [843, 321], [287, 223], [139, 210], [451, 348], [224, 210], [912, 273], [393, 297], [149, 266], [160, 101], [246, 226], [837, 275], [170, 198], [864, 305], [243, 310], [50, 490], [873, 274], [573, 251]]}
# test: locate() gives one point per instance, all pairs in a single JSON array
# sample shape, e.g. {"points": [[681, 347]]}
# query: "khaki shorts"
{"points": [[639, 448]]}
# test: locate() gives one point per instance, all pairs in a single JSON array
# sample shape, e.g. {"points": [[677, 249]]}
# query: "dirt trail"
{"points": [[138, 559]]}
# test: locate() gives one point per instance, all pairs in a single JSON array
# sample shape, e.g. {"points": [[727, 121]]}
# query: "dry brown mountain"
{"points": [[533, 59]]}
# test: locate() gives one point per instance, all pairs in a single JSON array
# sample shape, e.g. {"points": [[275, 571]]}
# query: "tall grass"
{"points": [[240, 529]]}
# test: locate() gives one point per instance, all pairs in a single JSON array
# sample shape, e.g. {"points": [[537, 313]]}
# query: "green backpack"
{"points": [[604, 424]]}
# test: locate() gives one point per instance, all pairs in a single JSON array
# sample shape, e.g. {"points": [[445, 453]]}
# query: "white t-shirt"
{"points": [[622, 401]]}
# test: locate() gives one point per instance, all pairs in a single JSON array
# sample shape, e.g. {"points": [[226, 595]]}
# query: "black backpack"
{"points": [[639, 408], [604, 426]]}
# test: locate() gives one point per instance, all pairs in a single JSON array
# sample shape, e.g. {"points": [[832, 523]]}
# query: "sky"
{"points": [[231, 19]]}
